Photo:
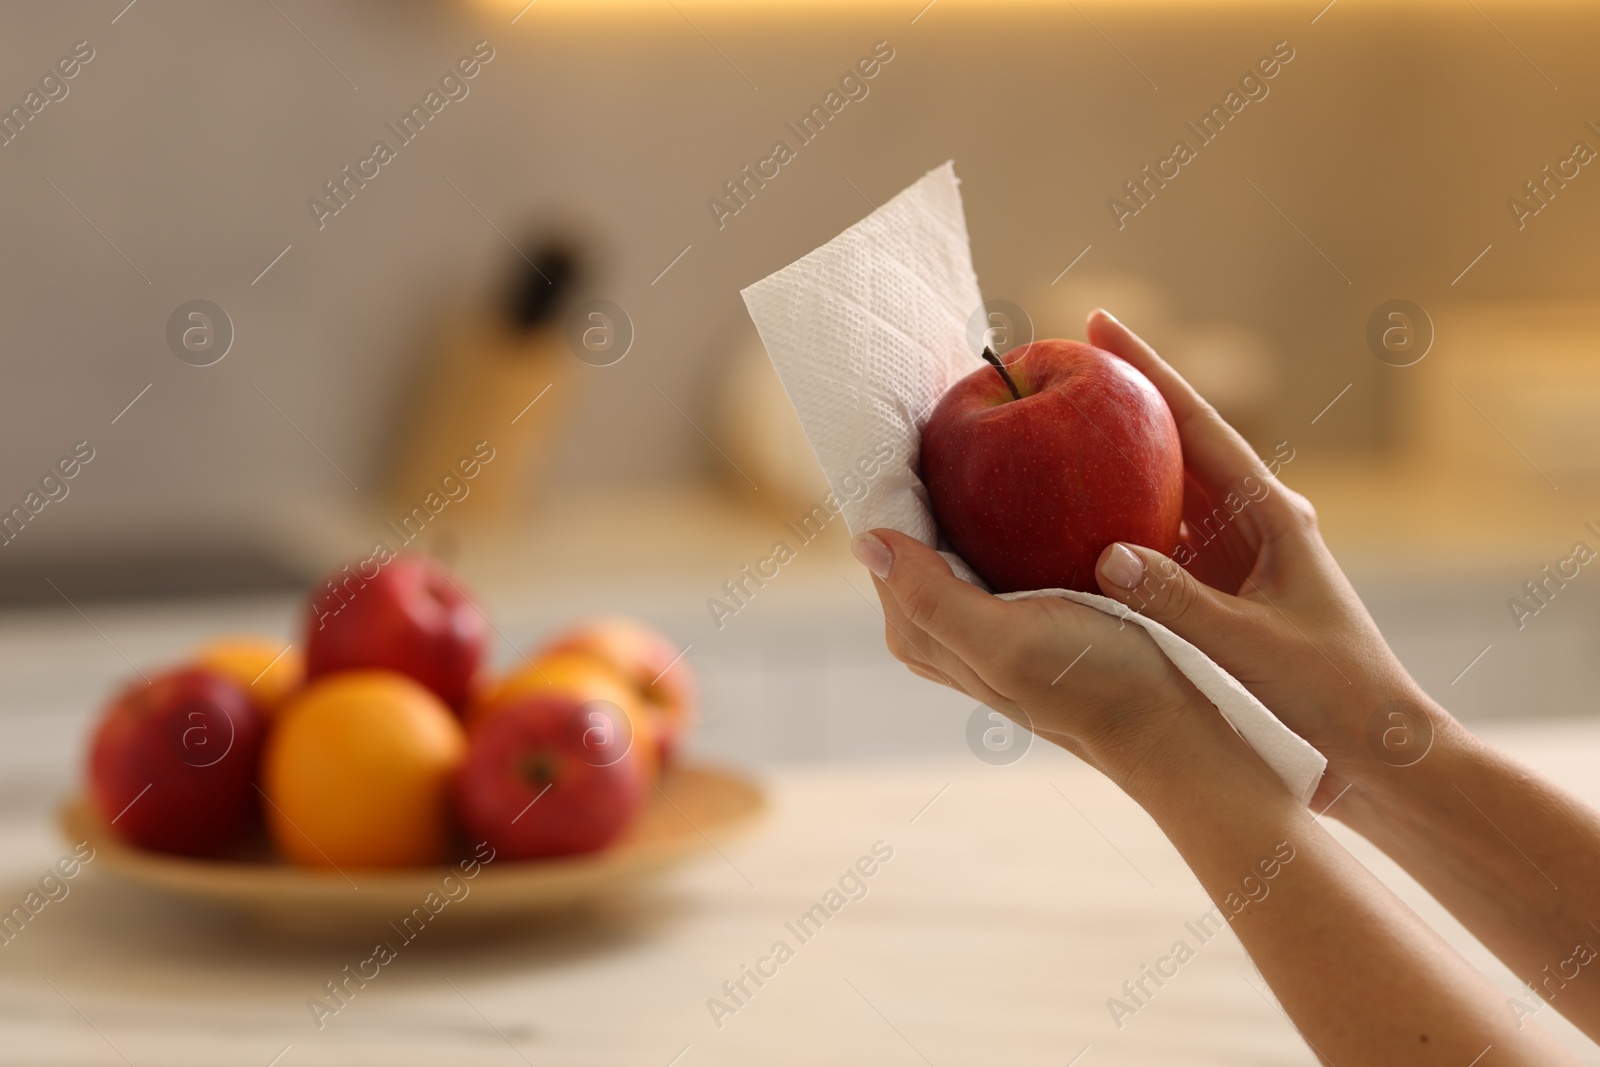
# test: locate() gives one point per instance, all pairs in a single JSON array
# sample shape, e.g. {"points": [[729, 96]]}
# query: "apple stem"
{"points": [[994, 361]]}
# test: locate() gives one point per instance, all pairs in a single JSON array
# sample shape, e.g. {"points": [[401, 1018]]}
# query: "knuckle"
{"points": [[1304, 513], [1180, 598], [899, 647], [921, 606], [1009, 659], [1167, 593]]}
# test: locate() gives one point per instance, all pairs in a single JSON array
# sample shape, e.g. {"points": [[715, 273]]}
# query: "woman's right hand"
{"points": [[1252, 585]]}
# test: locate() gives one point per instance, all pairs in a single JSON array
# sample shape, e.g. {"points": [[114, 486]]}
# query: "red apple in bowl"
{"points": [[172, 765], [408, 615], [550, 775], [652, 666], [1033, 466]]}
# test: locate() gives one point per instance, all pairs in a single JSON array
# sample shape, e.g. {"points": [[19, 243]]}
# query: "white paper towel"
{"points": [[867, 332]]}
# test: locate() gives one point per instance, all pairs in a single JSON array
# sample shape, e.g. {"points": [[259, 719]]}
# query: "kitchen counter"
{"points": [[1005, 905], [1004, 921]]}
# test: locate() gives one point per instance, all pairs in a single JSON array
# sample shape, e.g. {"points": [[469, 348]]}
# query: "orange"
{"points": [[575, 674], [269, 669], [357, 772], [653, 666]]}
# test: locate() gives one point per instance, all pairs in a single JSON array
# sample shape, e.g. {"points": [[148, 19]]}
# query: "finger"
{"points": [[1157, 588], [954, 613], [1105, 331], [1211, 447], [903, 643], [913, 647], [920, 653], [1221, 545], [930, 674]]}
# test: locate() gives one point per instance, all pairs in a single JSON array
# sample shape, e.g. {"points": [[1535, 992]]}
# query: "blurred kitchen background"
{"points": [[367, 352]]}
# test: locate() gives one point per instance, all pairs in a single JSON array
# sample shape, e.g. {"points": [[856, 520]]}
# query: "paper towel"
{"points": [[866, 333]]}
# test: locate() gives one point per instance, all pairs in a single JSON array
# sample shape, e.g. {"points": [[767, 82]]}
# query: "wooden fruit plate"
{"points": [[694, 807]]}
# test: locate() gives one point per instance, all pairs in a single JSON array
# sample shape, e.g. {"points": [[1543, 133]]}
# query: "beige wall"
{"points": [[195, 137]]}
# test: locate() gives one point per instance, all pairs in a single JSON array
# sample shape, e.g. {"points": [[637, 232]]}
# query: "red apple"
{"points": [[650, 664], [1030, 484], [172, 765], [407, 615], [550, 775]]}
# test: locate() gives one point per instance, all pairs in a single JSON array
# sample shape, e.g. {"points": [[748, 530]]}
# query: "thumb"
{"points": [[1156, 587], [955, 613]]}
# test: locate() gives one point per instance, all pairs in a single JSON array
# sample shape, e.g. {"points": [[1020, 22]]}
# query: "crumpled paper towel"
{"points": [[866, 333]]}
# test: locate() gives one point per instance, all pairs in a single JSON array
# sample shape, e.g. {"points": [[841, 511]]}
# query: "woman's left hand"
{"points": [[1087, 681]]}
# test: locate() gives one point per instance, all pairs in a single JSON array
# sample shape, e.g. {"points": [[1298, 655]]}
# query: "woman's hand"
{"points": [[1250, 583], [1260, 594], [1253, 586], [1073, 675]]}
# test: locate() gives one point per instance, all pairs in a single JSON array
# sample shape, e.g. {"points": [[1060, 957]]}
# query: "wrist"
{"points": [[1411, 746], [1167, 753]]}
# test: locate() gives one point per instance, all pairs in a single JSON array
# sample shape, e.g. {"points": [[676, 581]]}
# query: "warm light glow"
{"points": [[523, 9]]}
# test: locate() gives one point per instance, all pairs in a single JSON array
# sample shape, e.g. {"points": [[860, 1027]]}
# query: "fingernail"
{"points": [[872, 553], [1106, 314], [1122, 568]]}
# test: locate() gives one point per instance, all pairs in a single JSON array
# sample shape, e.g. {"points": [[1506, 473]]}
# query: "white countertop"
{"points": [[995, 934]]}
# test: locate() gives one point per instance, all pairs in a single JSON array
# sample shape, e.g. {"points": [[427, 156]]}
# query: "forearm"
{"points": [[1361, 976], [1514, 858]]}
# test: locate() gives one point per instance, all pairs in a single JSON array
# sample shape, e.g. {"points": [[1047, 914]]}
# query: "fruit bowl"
{"points": [[693, 807]]}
